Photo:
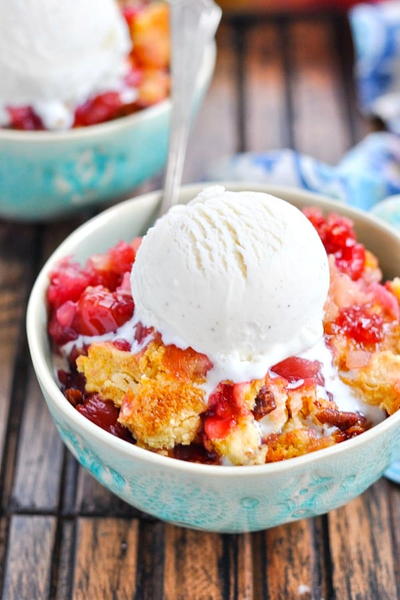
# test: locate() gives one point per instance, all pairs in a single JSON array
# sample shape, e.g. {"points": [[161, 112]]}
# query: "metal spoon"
{"points": [[193, 25]]}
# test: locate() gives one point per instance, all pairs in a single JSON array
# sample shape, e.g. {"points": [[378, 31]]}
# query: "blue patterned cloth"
{"points": [[365, 176], [376, 36]]}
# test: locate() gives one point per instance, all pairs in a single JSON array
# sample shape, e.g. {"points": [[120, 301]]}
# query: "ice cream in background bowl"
{"points": [[219, 498], [66, 69], [56, 55]]}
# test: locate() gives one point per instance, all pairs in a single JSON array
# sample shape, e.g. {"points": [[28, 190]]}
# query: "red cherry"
{"points": [[104, 414], [360, 324], [23, 117], [223, 412], [295, 368], [108, 269], [100, 311], [67, 282], [338, 236], [99, 109]]}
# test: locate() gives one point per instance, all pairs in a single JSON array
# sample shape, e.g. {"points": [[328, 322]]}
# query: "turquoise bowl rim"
{"points": [[48, 382], [146, 114]]}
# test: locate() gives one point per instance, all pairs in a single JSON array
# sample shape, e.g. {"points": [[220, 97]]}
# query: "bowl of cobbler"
{"points": [[85, 107], [230, 366]]}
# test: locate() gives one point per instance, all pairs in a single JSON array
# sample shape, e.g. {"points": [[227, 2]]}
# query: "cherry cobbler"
{"points": [[122, 377]]}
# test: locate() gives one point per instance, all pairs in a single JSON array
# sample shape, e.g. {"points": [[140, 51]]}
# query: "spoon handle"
{"points": [[193, 25]]}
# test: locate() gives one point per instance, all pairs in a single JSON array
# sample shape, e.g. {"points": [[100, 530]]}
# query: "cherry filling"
{"points": [[359, 324], [338, 236], [295, 369], [93, 299], [104, 414], [223, 412], [196, 453]]}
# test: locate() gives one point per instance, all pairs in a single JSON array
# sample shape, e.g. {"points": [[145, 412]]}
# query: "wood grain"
{"points": [[192, 562], [214, 133], [319, 120], [394, 506], [362, 547], [16, 265], [266, 118], [38, 470], [106, 557], [27, 569], [290, 568]]}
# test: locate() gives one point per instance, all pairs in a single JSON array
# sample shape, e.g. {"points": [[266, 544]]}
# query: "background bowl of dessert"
{"points": [[48, 173], [214, 498]]}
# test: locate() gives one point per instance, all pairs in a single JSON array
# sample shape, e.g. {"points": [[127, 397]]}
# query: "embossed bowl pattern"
{"points": [[47, 174], [212, 498]]}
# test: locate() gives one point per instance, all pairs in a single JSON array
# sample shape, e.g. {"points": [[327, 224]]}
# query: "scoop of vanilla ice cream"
{"points": [[239, 276], [55, 54]]}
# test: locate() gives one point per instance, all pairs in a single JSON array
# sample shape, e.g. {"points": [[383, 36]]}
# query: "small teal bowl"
{"points": [[47, 174], [211, 498]]}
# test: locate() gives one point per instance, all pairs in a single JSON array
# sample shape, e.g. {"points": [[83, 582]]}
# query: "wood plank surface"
{"points": [[215, 132], [192, 565], [17, 262], [319, 120], [266, 119], [40, 456], [105, 559], [291, 564], [362, 549], [28, 561]]}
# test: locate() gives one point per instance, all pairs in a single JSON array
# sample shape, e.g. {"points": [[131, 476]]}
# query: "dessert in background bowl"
{"points": [[84, 109], [223, 498]]}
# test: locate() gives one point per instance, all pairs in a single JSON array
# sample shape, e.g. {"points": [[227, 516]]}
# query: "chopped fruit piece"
{"points": [[338, 236], [24, 118], [351, 260], [66, 313], [383, 296], [340, 419], [186, 364], [265, 403], [223, 412], [359, 324], [150, 35], [100, 311], [142, 332], [217, 428], [130, 13], [99, 109], [59, 334], [72, 380], [73, 396], [123, 345], [105, 415], [357, 359], [153, 87], [67, 282], [295, 369], [109, 268]]}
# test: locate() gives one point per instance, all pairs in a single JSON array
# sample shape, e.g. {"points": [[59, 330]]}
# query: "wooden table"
{"points": [[278, 83]]}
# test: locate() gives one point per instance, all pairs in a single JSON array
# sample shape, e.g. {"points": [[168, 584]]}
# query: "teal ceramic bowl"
{"points": [[211, 498], [47, 174]]}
